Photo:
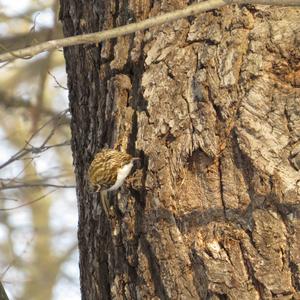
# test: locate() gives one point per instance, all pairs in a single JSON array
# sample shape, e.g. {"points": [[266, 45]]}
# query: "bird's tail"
{"points": [[105, 202]]}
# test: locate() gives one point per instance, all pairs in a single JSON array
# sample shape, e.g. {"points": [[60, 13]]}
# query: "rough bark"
{"points": [[212, 106]]}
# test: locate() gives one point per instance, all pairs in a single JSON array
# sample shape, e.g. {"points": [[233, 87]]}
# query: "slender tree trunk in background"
{"points": [[212, 105]]}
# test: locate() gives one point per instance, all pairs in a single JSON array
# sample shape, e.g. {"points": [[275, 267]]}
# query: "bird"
{"points": [[107, 172]]}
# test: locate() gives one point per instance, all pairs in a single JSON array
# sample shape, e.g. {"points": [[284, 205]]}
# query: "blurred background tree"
{"points": [[38, 217]]}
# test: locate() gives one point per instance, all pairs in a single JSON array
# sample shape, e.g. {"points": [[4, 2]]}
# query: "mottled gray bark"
{"points": [[212, 106]]}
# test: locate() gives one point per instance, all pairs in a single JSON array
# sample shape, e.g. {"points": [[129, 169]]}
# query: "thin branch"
{"points": [[29, 202], [20, 173], [97, 37], [61, 175], [44, 147], [11, 101], [25, 150], [32, 185], [58, 84], [269, 2], [4, 65], [67, 253], [56, 118], [15, 259], [25, 39], [9, 199]]}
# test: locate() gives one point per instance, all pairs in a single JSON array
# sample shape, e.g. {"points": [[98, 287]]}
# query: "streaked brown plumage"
{"points": [[107, 172], [104, 168]]}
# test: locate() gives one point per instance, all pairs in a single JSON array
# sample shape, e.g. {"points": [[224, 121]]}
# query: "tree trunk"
{"points": [[212, 106]]}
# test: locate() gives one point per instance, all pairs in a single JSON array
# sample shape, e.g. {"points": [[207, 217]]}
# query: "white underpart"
{"points": [[122, 174]]}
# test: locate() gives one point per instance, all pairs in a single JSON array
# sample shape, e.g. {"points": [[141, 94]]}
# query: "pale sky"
{"points": [[64, 211]]}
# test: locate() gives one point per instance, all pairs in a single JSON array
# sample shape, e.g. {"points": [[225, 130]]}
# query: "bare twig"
{"points": [[97, 37], [67, 253], [41, 180], [9, 199], [36, 113], [55, 79], [29, 202], [269, 2], [29, 38], [56, 118], [14, 259], [31, 149], [32, 185], [12, 101], [18, 174]]}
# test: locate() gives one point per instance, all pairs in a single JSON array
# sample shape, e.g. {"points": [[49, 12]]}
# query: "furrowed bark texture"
{"points": [[212, 106]]}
